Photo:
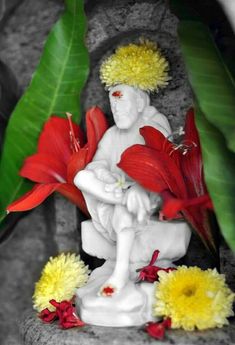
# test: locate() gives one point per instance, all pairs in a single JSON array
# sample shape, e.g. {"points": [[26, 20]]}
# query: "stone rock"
{"points": [[34, 332], [66, 233], [22, 258], [6, 7], [23, 36]]}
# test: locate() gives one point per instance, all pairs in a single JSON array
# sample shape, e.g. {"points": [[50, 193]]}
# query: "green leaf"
{"points": [[54, 89], [214, 91], [212, 84], [184, 10], [219, 169]]}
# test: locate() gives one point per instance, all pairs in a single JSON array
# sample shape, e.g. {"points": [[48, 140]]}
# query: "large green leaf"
{"points": [[210, 79], [219, 168], [214, 92], [54, 89]]}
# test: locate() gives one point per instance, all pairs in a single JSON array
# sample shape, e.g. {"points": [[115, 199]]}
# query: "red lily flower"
{"points": [[176, 172], [61, 154]]}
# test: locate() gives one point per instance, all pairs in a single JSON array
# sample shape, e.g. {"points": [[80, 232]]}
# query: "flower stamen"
{"points": [[75, 145]]}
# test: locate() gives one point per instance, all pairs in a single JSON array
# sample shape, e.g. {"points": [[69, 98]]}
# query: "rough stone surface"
{"points": [[23, 36], [6, 7], [24, 254], [66, 230], [34, 332], [22, 258], [227, 264]]}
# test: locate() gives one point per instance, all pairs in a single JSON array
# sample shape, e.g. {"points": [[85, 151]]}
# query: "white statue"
{"points": [[124, 229]]}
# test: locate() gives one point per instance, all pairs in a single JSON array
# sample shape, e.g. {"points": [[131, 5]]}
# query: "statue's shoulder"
{"points": [[153, 117], [108, 135]]}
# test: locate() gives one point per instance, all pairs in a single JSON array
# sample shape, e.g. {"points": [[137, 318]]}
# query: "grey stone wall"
{"points": [[53, 226]]}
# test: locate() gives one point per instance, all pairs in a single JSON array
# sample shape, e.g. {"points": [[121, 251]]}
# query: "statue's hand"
{"points": [[104, 175], [137, 202], [119, 186]]}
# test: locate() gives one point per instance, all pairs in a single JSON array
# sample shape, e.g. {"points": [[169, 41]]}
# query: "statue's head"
{"points": [[130, 74], [127, 104]]}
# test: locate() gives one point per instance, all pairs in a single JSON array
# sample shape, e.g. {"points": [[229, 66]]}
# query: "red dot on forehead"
{"points": [[117, 94]]}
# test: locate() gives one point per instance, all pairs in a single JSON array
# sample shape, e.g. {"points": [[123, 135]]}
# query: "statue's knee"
{"points": [[122, 219]]}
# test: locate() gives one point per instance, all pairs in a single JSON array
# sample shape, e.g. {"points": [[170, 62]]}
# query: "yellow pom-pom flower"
{"points": [[138, 65], [59, 279], [193, 298]]}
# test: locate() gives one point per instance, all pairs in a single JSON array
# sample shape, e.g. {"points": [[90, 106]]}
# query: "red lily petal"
{"points": [[96, 124], [33, 198], [198, 217], [76, 163], [191, 162], [55, 138], [44, 168], [172, 207], [192, 168], [156, 140], [194, 211], [73, 194], [154, 171]]}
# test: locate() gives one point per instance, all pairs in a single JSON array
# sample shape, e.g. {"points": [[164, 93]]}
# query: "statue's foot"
{"points": [[113, 285]]}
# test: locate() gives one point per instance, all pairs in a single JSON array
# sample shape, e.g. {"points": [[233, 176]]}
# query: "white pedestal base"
{"points": [[132, 306]]}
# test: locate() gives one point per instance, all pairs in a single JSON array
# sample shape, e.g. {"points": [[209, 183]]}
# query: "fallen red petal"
{"points": [[167, 323], [66, 313], [155, 330], [47, 316]]}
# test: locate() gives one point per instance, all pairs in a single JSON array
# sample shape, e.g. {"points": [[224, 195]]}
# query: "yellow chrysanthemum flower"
{"points": [[193, 298], [138, 65], [59, 279]]}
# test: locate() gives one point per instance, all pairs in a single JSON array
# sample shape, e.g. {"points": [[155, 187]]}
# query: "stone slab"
{"points": [[35, 332]]}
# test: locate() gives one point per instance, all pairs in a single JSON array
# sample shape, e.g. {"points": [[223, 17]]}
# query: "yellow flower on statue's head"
{"points": [[138, 65], [193, 298], [59, 280]]}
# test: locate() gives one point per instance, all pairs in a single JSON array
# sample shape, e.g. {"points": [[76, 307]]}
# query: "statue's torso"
{"points": [[115, 141]]}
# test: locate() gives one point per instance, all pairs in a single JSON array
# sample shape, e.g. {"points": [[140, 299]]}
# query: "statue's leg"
{"points": [[123, 226]]}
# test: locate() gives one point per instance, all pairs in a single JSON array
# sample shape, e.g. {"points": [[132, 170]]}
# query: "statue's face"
{"points": [[123, 101]]}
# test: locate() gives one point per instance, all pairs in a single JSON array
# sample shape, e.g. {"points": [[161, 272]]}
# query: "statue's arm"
{"points": [[87, 181], [94, 178]]}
